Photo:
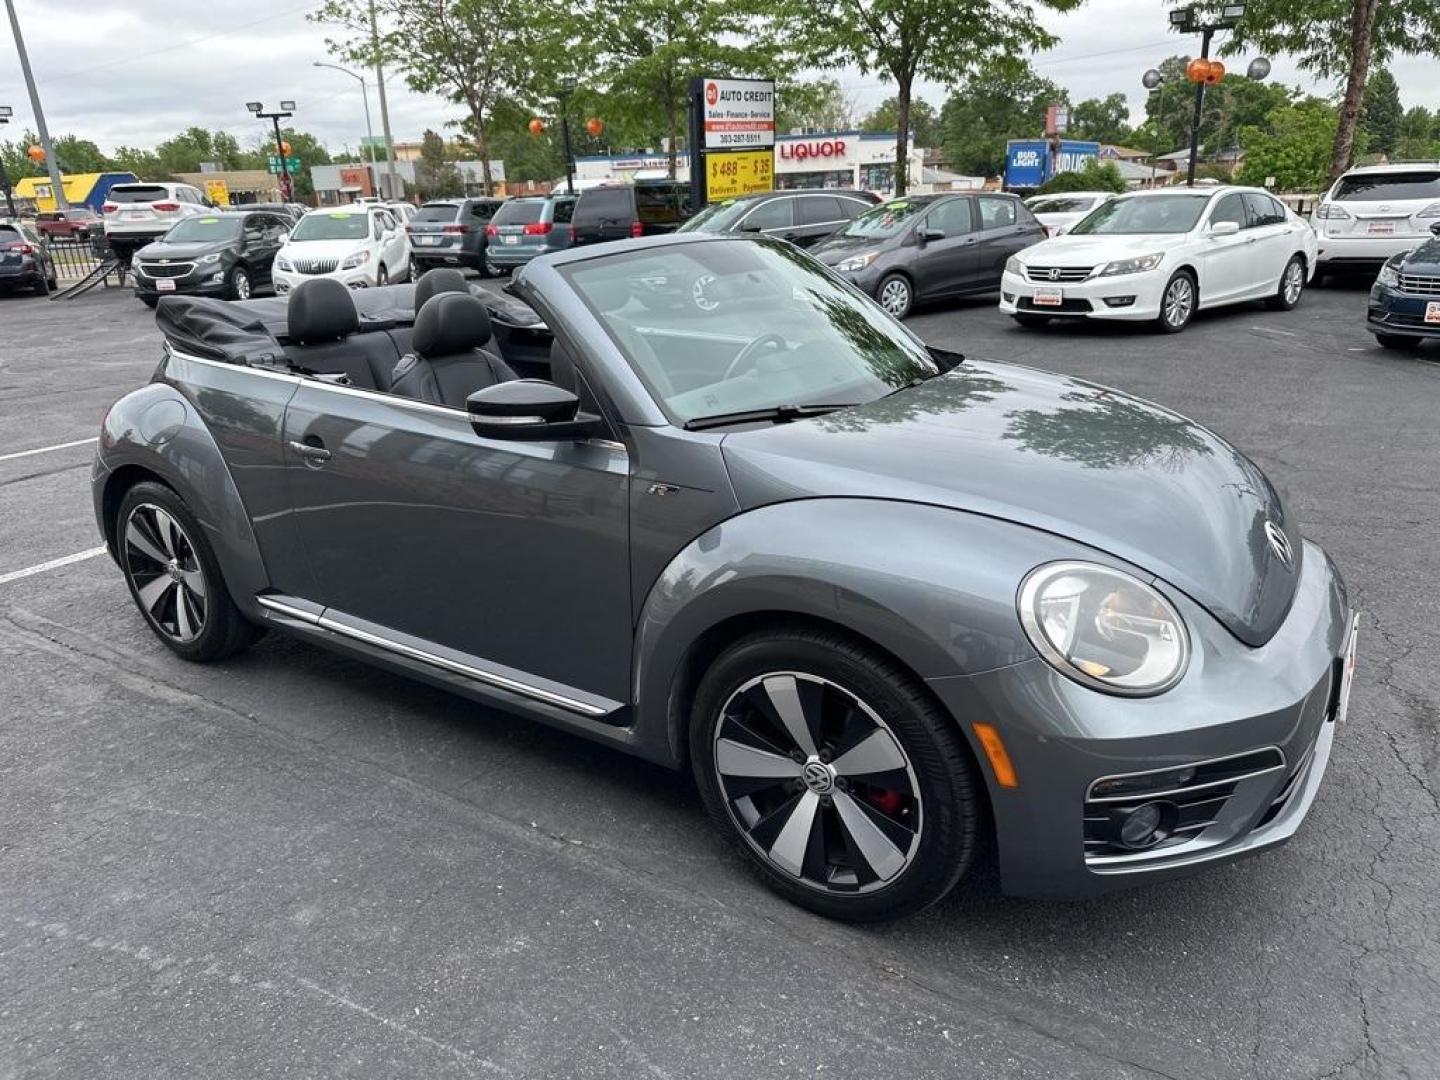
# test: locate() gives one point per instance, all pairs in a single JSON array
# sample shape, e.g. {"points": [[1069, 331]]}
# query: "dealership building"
{"points": [[821, 159]]}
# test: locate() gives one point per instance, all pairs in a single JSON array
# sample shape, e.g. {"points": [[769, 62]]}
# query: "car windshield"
{"points": [[196, 229], [338, 226], [1393, 186], [718, 217], [725, 326], [1143, 214], [437, 211], [887, 219]]}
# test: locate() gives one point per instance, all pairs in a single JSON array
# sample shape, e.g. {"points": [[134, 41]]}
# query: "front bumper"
{"points": [[1393, 312], [209, 281], [1131, 297], [361, 277], [1279, 699]]}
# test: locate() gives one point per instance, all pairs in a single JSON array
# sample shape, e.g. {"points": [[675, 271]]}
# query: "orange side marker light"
{"points": [[995, 750]]}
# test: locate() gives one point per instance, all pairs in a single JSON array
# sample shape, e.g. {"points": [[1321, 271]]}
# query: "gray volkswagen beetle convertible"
{"points": [[883, 601]]}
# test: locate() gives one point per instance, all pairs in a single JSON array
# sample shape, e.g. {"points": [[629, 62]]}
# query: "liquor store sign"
{"points": [[738, 114]]}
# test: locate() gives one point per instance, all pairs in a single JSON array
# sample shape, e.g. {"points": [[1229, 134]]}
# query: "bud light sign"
{"points": [[1028, 161]]}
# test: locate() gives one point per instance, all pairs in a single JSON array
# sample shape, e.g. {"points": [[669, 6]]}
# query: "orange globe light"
{"points": [[285, 149], [537, 126], [1215, 74], [1197, 70], [36, 153], [594, 126]]}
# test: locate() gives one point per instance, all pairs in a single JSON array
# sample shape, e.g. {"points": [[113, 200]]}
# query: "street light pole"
{"points": [[566, 90], [287, 110], [365, 100], [1206, 34], [391, 181], [52, 166]]}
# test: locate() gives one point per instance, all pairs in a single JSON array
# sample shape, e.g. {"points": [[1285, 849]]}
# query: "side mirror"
{"points": [[1225, 228], [530, 410], [927, 235], [748, 228], [1435, 229]]}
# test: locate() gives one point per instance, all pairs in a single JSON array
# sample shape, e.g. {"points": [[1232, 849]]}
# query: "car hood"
{"points": [[1425, 259], [1110, 471], [1072, 250], [321, 249], [192, 250], [834, 248]]}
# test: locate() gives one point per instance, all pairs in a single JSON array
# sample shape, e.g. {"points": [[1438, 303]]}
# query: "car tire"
{"points": [[174, 577], [1177, 303], [898, 825], [1032, 322], [1398, 342], [150, 301], [42, 285], [895, 294], [1291, 287], [382, 276], [238, 285]]}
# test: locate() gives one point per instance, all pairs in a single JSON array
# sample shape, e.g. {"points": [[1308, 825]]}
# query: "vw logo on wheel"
{"points": [[818, 777], [1279, 544]]}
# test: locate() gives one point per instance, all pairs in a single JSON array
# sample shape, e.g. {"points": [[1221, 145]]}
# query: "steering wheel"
{"points": [[751, 352]]}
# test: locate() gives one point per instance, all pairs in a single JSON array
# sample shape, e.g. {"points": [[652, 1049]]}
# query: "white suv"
{"points": [[139, 214], [361, 246], [1376, 211]]}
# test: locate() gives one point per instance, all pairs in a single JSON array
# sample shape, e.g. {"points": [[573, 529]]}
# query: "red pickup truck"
{"points": [[78, 223]]}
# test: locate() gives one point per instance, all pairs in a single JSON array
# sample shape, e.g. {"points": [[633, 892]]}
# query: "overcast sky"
{"points": [[130, 72]]}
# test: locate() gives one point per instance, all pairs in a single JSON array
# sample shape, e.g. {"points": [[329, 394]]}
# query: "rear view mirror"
{"points": [[1225, 228], [529, 410]]}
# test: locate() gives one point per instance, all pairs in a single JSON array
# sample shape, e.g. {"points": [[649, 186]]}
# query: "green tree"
{"points": [[1004, 100], [815, 105], [77, 155], [1381, 112], [14, 155], [1293, 147], [435, 175], [1419, 135], [902, 40], [1104, 120], [924, 120], [143, 163], [303, 145], [1336, 39], [184, 152], [1234, 103], [1093, 177]]}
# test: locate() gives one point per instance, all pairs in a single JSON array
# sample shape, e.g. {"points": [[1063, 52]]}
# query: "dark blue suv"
{"points": [[1405, 299]]}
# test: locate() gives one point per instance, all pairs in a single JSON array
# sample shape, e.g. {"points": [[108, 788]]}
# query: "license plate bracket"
{"points": [[1048, 297], [1432, 312], [164, 285], [1347, 672]]}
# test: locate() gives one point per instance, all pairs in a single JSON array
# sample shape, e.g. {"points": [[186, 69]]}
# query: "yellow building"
{"points": [[81, 189]]}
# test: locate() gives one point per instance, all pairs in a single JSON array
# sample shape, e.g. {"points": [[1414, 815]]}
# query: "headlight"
{"points": [[857, 262], [282, 263], [208, 260], [1389, 276], [360, 258], [1103, 628], [1133, 266], [1012, 266]]}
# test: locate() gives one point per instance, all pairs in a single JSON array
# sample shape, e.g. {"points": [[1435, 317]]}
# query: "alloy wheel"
{"points": [[165, 570], [1294, 283], [817, 783], [895, 297], [1179, 301], [241, 285]]}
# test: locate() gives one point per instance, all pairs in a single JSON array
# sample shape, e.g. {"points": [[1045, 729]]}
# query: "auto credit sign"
{"points": [[738, 113]]}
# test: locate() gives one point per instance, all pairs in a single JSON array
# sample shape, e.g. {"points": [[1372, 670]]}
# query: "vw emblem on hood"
{"points": [[1279, 544], [1054, 273]]}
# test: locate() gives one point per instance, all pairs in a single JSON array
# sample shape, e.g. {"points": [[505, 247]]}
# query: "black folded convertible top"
{"points": [[253, 332]]}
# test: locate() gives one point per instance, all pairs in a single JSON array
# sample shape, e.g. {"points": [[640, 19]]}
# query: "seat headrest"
{"points": [[442, 279], [320, 310], [450, 323], [609, 294]]}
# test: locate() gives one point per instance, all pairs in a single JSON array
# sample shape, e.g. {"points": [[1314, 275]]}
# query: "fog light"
{"points": [[1146, 825], [1119, 301], [1008, 297]]}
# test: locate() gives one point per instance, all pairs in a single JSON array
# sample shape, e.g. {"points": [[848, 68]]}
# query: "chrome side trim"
{"points": [[266, 372], [489, 678], [1091, 797]]}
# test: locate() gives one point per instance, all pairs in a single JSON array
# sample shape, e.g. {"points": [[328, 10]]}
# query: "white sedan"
{"points": [[1159, 256], [362, 246], [1058, 212]]}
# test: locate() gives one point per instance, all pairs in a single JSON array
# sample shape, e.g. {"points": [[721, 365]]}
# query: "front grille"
{"points": [[155, 270], [315, 266], [1197, 792], [1058, 274], [1420, 284], [1068, 306]]}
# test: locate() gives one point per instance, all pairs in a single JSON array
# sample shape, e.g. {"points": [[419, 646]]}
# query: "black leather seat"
{"points": [[322, 328], [447, 363], [443, 279]]}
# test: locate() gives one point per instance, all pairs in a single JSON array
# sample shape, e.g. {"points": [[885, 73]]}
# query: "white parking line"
{"points": [[53, 564], [1272, 330], [47, 449]]}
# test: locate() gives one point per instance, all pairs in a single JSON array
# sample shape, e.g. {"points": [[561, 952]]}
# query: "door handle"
{"points": [[309, 451]]}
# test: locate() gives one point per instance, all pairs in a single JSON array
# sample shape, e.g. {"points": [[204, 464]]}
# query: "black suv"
{"points": [[227, 254], [802, 217], [619, 211], [450, 232], [1405, 299]]}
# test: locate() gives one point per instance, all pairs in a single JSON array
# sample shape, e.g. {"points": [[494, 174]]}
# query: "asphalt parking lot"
{"points": [[293, 865]]}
